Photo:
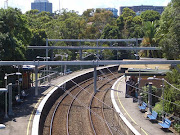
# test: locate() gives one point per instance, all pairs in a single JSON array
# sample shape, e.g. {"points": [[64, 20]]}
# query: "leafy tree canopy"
{"points": [[150, 15], [14, 34], [169, 33], [128, 12], [110, 32]]}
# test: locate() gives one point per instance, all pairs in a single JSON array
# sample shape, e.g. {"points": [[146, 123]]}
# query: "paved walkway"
{"points": [[131, 111]]}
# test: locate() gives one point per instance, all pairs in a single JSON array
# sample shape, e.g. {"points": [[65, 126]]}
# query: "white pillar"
{"points": [[36, 80], [95, 79], [10, 99], [150, 98]]}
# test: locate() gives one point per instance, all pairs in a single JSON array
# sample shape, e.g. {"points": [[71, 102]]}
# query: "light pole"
{"points": [[62, 56], [66, 55], [5, 78], [5, 90], [162, 79], [45, 59], [150, 98], [163, 98]]}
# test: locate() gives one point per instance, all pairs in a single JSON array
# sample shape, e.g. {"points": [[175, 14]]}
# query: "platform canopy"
{"points": [[146, 72]]}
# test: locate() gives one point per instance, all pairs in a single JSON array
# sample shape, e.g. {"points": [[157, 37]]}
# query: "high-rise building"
{"points": [[114, 11], [139, 9], [42, 5]]}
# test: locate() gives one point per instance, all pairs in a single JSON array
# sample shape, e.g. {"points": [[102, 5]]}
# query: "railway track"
{"points": [[80, 111], [101, 104]]}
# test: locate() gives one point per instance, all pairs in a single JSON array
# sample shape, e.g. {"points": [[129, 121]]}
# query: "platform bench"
{"points": [[18, 100], [143, 106], [23, 94], [153, 116], [166, 123]]}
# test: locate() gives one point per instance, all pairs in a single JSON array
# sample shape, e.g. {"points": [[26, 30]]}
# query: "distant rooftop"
{"points": [[41, 1], [42, 5], [146, 67], [141, 8]]}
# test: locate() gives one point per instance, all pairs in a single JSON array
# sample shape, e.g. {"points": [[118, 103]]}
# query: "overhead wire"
{"points": [[128, 85], [177, 118], [151, 93], [171, 85], [80, 102]]}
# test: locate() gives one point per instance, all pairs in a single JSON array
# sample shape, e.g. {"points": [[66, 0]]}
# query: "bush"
{"points": [[177, 127], [145, 94], [158, 108]]}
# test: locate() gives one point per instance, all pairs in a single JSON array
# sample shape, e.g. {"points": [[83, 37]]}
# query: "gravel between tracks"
{"points": [[79, 122]]}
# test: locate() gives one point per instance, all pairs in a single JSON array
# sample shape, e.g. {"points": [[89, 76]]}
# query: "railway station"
{"points": [[104, 99], [79, 68]]}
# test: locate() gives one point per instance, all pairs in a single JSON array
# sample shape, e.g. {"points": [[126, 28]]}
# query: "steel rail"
{"points": [[74, 98], [104, 114], [52, 118], [101, 102], [90, 115], [55, 110]]}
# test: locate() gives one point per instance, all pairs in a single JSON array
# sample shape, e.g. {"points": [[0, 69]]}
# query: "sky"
{"points": [[82, 5]]}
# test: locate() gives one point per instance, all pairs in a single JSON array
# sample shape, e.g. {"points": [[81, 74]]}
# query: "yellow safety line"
{"points": [[127, 112], [32, 116], [34, 111], [144, 131], [123, 106]]}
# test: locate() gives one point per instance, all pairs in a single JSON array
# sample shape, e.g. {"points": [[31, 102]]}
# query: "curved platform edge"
{"points": [[128, 124]]}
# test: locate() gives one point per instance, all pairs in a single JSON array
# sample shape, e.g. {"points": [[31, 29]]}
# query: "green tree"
{"points": [[168, 33], [120, 23], [136, 30], [110, 32], [88, 14], [128, 12], [14, 34], [100, 19], [145, 94], [171, 94], [125, 22], [14, 38], [38, 39], [150, 15], [38, 20], [149, 29]]}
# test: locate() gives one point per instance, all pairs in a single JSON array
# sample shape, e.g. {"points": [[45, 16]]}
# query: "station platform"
{"points": [[131, 112], [21, 122]]}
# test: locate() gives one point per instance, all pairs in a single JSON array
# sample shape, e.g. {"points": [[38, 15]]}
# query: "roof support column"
{"points": [[80, 58], [10, 99], [95, 79], [150, 98], [36, 80], [46, 58]]}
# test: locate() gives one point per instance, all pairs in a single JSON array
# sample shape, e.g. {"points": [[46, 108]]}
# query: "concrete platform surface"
{"points": [[21, 122], [132, 113]]}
